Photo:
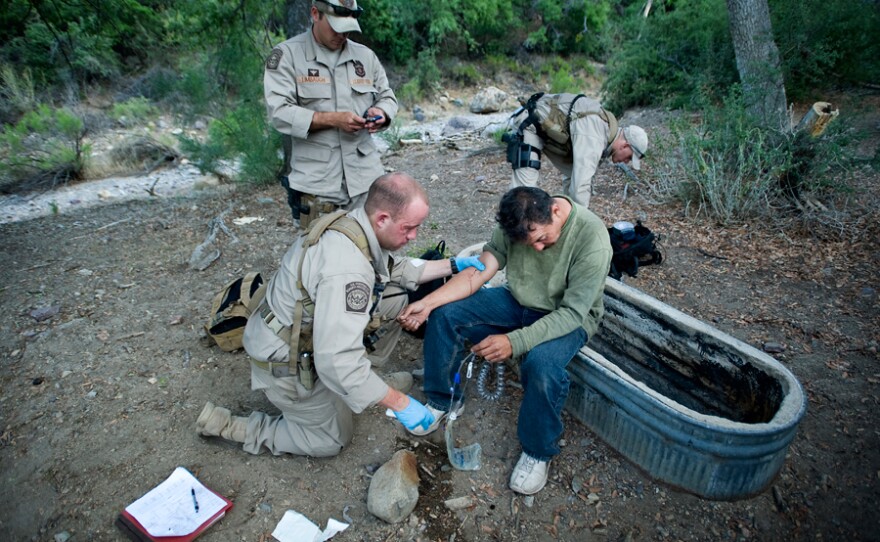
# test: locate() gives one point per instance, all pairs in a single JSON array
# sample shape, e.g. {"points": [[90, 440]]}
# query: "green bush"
{"points": [[244, 136], [44, 147], [79, 40], [17, 89], [674, 57], [733, 170], [825, 43], [133, 109]]}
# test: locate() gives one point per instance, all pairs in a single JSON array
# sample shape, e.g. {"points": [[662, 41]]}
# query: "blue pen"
{"points": [[195, 502]]}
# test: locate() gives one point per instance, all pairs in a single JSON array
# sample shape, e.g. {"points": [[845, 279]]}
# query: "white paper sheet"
{"points": [[295, 527], [169, 509]]}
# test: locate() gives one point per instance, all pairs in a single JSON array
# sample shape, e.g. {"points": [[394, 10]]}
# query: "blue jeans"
{"points": [[543, 374]]}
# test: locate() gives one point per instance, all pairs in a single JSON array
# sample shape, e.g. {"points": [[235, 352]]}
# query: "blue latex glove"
{"points": [[469, 261], [414, 415]]}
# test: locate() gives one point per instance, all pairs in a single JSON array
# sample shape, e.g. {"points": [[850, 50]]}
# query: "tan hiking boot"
{"points": [[217, 421], [236, 431], [212, 420]]}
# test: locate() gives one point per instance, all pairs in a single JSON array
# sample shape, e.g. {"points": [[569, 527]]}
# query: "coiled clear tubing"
{"points": [[483, 377]]}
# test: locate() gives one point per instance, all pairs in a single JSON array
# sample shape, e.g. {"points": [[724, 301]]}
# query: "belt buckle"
{"points": [[279, 370]]}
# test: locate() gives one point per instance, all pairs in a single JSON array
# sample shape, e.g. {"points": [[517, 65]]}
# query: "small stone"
{"points": [[459, 503], [773, 348], [63, 536], [44, 313], [152, 380], [265, 507], [85, 272], [37, 381], [92, 394], [65, 374], [529, 501]]}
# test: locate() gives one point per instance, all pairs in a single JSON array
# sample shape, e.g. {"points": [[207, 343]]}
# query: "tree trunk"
{"points": [[757, 60], [297, 20]]}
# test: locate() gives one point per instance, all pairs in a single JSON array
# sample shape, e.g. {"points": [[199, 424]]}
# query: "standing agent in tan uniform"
{"points": [[307, 338], [327, 95], [576, 133]]}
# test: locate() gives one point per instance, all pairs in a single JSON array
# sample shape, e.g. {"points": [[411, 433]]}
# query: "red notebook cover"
{"points": [[132, 528]]}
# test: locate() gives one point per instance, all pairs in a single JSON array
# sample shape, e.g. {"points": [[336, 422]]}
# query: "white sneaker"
{"points": [[438, 417], [529, 475]]}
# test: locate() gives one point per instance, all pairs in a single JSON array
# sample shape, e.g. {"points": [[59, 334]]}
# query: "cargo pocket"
{"points": [[307, 156]]}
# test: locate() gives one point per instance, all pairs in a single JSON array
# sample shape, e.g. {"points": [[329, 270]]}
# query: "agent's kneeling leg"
{"points": [[313, 422]]}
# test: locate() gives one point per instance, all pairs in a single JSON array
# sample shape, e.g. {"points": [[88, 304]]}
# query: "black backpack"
{"points": [[630, 254]]}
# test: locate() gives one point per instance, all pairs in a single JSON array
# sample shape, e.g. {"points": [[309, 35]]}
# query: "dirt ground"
{"points": [[104, 369]]}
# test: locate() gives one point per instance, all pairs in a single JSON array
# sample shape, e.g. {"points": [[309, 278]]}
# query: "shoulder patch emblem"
{"points": [[357, 297], [274, 59], [313, 72], [359, 68]]}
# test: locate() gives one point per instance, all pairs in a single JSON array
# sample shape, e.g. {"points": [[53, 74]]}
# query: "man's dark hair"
{"points": [[521, 208]]}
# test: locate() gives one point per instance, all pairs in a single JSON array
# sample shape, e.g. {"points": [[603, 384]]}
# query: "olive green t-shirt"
{"points": [[566, 280]]}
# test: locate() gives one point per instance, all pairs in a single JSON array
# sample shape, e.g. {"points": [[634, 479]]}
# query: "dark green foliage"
{"points": [[80, 40], [826, 43], [682, 50]]}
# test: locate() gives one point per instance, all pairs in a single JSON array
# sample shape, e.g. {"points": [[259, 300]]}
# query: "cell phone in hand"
{"points": [[376, 118]]}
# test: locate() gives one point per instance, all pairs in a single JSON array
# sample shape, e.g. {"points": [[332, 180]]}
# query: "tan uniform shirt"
{"points": [[589, 141], [339, 279], [302, 77]]}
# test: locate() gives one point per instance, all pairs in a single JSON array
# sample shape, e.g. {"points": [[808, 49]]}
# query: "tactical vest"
{"points": [[555, 129], [299, 336]]}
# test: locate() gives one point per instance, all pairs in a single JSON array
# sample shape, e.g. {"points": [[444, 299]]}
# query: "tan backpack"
{"points": [[231, 308]]}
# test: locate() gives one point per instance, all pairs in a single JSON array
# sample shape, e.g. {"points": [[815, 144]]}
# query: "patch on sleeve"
{"points": [[357, 297], [274, 59]]}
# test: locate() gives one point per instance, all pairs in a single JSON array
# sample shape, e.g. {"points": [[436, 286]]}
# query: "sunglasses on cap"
{"points": [[635, 149], [340, 11]]}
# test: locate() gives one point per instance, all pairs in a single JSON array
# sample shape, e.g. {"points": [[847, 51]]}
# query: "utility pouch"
{"points": [[294, 198], [519, 154], [305, 370]]}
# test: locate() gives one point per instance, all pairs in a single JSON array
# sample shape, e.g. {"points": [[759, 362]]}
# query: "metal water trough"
{"points": [[688, 404]]}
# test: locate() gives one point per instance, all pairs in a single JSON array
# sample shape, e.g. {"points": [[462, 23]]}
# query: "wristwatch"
{"points": [[453, 265]]}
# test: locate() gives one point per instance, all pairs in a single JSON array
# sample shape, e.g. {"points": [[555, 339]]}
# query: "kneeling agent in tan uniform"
{"points": [[336, 284]]}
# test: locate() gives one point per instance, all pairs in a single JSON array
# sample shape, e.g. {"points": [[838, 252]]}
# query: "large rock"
{"points": [[394, 489], [488, 100]]}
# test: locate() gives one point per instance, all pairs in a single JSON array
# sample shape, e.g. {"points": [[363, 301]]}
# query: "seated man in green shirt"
{"points": [[557, 255]]}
